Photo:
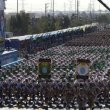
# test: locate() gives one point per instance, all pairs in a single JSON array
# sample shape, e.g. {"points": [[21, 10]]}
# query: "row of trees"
{"points": [[23, 23]]}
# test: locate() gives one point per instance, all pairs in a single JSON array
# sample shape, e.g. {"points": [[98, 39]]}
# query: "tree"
{"points": [[104, 18], [19, 23], [65, 21]]}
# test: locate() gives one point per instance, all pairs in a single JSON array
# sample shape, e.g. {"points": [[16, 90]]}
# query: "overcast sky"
{"points": [[39, 5]]}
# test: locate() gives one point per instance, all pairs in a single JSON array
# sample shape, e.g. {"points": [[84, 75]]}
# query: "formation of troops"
{"points": [[20, 85]]}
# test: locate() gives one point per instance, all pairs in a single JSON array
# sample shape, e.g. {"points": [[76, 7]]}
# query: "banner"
{"points": [[2, 30], [108, 73], [44, 68], [1, 44], [2, 24], [82, 68], [8, 57], [2, 4]]}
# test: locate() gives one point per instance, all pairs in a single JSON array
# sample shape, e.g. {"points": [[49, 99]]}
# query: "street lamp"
{"points": [[17, 7]]}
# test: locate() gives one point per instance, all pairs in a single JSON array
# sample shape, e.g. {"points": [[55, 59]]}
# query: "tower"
{"points": [[64, 7], [70, 5], [22, 5], [46, 7]]}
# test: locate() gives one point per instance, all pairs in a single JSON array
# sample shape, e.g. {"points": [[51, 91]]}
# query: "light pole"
{"points": [[31, 47], [53, 8], [53, 15], [17, 7], [77, 9]]}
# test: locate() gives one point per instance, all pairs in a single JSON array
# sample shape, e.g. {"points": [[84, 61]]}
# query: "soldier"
{"points": [[47, 92], [1, 87], [68, 95], [18, 88], [5, 90], [0, 65], [81, 99], [33, 89], [10, 83]]}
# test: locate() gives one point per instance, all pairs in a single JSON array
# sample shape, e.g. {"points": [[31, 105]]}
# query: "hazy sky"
{"points": [[39, 5]]}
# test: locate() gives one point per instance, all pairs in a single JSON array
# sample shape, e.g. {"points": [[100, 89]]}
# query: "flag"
{"points": [[82, 68], [44, 67]]}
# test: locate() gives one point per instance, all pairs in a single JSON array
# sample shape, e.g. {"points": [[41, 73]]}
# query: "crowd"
{"points": [[49, 93], [20, 85], [92, 39]]}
